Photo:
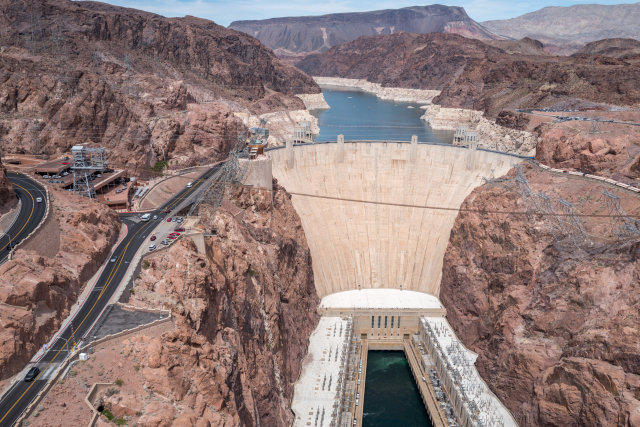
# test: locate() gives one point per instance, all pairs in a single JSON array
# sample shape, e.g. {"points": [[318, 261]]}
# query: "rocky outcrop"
{"points": [[613, 48], [525, 46], [294, 37], [473, 75], [553, 324], [564, 30], [37, 292], [490, 134], [8, 199], [613, 156], [245, 311], [113, 75], [513, 120], [314, 101]]}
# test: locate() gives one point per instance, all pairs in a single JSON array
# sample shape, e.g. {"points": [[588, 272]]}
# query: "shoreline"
{"points": [[418, 96]]}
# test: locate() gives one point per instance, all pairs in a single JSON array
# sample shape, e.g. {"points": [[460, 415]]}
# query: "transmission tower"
{"points": [[528, 197], [556, 225], [232, 171], [621, 225], [86, 161], [573, 222], [36, 36], [36, 142]]}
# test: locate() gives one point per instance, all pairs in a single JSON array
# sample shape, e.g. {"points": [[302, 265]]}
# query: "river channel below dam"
{"points": [[360, 115]]}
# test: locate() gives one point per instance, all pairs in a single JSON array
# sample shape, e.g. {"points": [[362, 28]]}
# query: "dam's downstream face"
{"points": [[391, 242]]}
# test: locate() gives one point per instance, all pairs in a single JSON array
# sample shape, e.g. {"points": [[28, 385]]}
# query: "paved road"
{"points": [[31, 213], [18, 398]]}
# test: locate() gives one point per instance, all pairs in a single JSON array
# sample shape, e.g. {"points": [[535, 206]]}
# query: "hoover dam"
{"points": [[377, 216]]}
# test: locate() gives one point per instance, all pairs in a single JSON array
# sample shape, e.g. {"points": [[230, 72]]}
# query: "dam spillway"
{"points": [[361, 206]]}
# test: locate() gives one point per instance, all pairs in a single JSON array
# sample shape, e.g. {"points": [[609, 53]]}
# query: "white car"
{"points": [[39, 200], [155, 217], [152, 247], [46, 176], [189, 185]]}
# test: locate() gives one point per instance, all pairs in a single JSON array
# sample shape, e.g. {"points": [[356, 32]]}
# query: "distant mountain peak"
{"points": [[296, 37]]}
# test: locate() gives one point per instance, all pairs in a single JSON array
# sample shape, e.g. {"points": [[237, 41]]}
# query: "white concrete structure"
{"points": [[362, 207], [380, 299], [316, 388], [474, 403], [259, 174]]}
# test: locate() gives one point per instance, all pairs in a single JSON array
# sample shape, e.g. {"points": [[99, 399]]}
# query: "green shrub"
{"points": [[108, 414], [119, 382], [146, 264]]}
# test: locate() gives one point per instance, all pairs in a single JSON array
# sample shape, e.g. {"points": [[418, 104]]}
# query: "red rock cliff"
{"points": [[8, 199], [556, 327], [42, 290], [245, 311]]}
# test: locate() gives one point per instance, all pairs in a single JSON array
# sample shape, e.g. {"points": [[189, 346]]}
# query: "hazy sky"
{"points": [[224, 12]]}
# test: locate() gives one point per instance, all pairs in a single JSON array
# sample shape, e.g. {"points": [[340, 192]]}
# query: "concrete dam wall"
{"points": [[359, 245]]}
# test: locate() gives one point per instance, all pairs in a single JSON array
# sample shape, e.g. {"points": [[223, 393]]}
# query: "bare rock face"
{"points": [[614, 48], [245, 311], [612, 156], [295, 37], [40, 291], [106, 76], [8, 199], [474, 75], [555, 326], [513, 120]]}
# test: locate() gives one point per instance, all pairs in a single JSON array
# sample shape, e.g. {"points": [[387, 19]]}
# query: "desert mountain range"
{"points": [[294, 37], [561, 30], [564, 30]]}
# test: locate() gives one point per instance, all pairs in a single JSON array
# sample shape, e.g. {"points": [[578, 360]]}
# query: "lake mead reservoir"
{"points": [[360, 115]]}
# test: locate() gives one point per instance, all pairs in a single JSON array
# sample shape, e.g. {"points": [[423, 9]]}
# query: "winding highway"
{"points": [[31, 214], [16, 400]]}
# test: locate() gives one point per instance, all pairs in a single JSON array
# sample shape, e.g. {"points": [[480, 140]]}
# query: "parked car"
{"points": [[152, 247], [175, 219], [169, 219], [172, 237], [180, 229], [65, 173], [46, 176], [152, 238], [38, 199], [179, 220], [118, 191], [32, 374], [165, 242], [174, 234], [12, 245]]}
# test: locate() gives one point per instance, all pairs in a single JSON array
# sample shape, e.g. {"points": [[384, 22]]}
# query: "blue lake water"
{"points": [[359, 115], [391, 396]]}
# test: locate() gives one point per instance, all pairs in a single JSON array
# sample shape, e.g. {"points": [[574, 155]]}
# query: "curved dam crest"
{"points": [[357, 245]]}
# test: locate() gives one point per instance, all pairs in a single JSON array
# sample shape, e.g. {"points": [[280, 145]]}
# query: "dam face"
{"points": [[392, 241]]}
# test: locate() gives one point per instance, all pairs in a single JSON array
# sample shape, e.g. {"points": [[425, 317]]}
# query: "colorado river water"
{"points": [[361, 115], [391, 397]]}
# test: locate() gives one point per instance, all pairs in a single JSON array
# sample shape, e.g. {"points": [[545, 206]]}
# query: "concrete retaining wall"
{"points": [[95, 389]]}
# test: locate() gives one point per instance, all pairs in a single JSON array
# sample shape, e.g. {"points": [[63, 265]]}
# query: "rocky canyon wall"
{"points": [[244, 310], [8, 199], [555, 325], [148, 88], [37, 292]]}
